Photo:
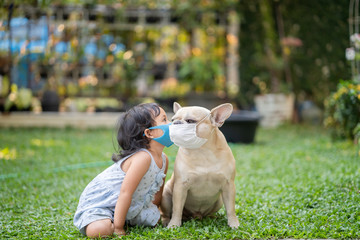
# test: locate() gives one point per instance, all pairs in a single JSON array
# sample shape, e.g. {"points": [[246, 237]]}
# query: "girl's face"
{"points": [[161, 119]]}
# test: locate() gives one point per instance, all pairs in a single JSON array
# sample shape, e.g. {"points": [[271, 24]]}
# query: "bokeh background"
{"points": [[95, 56]]}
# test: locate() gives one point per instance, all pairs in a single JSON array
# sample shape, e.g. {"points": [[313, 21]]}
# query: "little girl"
{"points": [[130, 190]]}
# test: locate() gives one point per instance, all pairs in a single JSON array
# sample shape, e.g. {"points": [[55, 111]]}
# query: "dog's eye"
{"points": [[190, 121]]}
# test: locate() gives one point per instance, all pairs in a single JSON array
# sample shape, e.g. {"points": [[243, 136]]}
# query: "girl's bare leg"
{"points": [[101, 228]]}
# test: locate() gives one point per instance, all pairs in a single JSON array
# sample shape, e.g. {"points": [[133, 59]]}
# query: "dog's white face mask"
{"points": [[184, 135]]}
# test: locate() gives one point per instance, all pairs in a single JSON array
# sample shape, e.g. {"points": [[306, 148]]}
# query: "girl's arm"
{"points": [[158, 195], [139, 165]]}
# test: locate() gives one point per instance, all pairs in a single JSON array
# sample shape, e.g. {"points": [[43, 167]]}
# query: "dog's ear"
{"points": [[220, 113], [176, 107]]}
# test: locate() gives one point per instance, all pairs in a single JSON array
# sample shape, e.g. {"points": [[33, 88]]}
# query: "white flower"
{"points": [[350, 54], [355, 39]]}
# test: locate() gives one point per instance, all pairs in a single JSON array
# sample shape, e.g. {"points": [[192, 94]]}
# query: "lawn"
{"points": [[293, 183]]}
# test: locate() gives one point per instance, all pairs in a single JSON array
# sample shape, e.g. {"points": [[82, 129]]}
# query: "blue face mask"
{"points": [[165, 138]]}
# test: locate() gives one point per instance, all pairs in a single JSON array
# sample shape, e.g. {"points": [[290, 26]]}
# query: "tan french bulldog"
{"points": [[203, 178]]}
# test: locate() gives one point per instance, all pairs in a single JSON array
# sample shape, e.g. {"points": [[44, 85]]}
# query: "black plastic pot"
{"points": [[241, 126], [50, 101]]}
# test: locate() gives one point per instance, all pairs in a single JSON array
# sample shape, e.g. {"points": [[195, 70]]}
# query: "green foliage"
{"points": [[317, 65], [21, 98], [5, 86], [190, 11], [314, 67], [172, 88], [124, 74], [320, 62], [342, 110], [269, 57], [357, 133], [201, 72], [293, 183]]}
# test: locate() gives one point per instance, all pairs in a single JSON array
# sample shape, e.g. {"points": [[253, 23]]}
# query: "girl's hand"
{"points": [[120, 232]]}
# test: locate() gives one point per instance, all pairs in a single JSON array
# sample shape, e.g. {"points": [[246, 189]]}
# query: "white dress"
{"points": [[99, 198]]}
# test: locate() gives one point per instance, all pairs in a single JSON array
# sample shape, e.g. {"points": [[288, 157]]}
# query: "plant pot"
{"points": [[274, 109], [50, 101], [241, 127]]}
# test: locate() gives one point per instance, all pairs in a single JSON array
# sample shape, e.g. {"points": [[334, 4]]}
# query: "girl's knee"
{"points": [[101, 228]]}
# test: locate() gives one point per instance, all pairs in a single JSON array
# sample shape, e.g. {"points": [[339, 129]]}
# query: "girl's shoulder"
{"points": [[142, 154], [140, 157]]}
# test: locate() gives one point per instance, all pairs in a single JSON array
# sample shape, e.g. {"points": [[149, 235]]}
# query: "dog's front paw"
{"points": [[165, 221], [174, 223], [233, 222]]}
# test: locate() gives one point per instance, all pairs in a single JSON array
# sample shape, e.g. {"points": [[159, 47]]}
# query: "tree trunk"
{"points": [[270, 44]]}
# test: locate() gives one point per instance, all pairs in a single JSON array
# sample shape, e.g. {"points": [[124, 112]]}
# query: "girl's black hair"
{"points": [[131, 127]]}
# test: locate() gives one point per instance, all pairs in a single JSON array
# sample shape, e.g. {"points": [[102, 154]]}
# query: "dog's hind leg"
{"points": [[216, 207]]}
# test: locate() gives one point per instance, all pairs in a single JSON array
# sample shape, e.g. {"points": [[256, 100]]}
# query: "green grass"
{"points": [[293, 183]]}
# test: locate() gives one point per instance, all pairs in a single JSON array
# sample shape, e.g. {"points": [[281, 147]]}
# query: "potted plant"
{"points": [[171, 90], [276, 101], [342, 111], [124, 73], [108, 105], [204, 75], [21, 100], [274, 107]]}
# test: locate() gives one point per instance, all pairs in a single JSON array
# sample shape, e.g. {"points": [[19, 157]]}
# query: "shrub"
{"points": [[342, 110], [20, 98]]}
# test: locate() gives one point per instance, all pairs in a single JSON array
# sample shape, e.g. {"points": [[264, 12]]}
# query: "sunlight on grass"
{"points": [[8, 154], [46, 143]]}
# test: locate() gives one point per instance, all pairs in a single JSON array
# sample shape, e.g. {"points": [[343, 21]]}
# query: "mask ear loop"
{"points": [[221, 125], [201, 121]]}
